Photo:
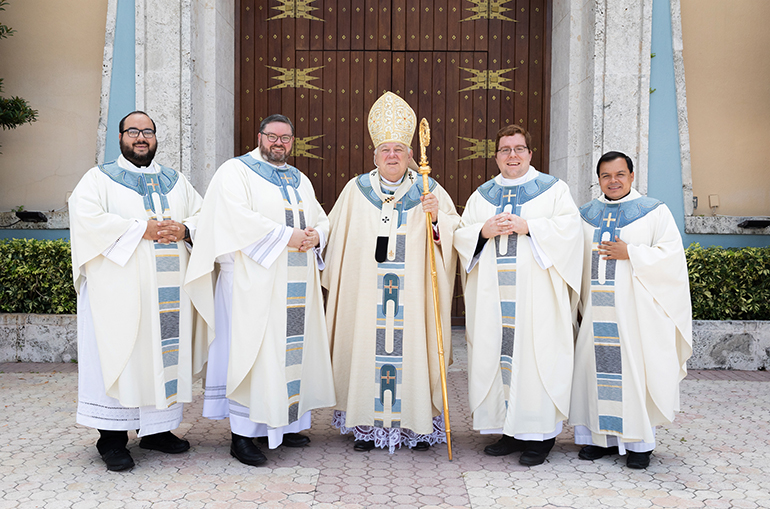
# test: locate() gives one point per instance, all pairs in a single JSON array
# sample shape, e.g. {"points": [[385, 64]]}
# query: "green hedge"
{"points": [[36, 277], [726, 284], [729, 284]]}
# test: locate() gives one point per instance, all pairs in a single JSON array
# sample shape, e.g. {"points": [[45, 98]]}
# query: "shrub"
{"points": [[725, 284], [729, 284], [36, 277]]}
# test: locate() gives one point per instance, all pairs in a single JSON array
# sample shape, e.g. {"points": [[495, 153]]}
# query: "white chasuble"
{"points": [[141, 319], [521, 296], [277, 364], [380, 307], [636, 331]]}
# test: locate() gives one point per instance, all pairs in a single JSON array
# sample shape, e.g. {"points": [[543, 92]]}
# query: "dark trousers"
{"points": [[109, 439]]}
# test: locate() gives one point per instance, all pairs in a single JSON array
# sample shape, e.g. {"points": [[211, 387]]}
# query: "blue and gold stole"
{"points": [[608, 219], [288, 181], [154, 188], [510, 199], [390, 256]]}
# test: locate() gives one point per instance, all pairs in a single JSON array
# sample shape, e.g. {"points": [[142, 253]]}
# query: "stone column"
{"points": [[184, 80], [600, 80]]}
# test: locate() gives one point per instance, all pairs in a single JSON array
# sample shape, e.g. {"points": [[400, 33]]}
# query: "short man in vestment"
{"points": [[380, 313], [636, 331], [263, 229], [520, 244], [131, 223]]}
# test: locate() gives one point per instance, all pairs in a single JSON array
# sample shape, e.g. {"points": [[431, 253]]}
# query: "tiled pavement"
{"points": [[716, 454]]}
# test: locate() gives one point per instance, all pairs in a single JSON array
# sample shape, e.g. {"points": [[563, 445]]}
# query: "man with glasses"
{"points": [[520, 243], [131, 225], [636, 331], [269, 364]]}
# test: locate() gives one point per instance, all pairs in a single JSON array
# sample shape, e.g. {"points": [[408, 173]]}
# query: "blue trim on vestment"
{"points": [[627, 211], [492, 191], [271, 173], [133, 180], [407, 202]]}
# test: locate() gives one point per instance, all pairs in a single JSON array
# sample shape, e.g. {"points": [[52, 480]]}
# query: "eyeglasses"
{"points": [[272, 138], [133, 132], [505, 152]]}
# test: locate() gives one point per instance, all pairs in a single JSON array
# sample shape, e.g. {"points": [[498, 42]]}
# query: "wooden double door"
{"points": [[469, 67]]}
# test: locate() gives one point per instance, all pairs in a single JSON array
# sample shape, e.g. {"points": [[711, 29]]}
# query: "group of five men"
{"points": [[579, 314]]}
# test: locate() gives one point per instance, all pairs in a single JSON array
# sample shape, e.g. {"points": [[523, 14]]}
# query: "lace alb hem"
{"points": [[391, 438]]}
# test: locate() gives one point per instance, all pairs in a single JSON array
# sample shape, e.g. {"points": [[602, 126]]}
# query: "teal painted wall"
{"points": [[665, 167], [123, 82]]}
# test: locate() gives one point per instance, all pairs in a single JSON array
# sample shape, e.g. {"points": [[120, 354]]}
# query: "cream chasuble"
{"points": [[636, 331], [380, 307], [519, 315], [279, 363], [148, 346]]}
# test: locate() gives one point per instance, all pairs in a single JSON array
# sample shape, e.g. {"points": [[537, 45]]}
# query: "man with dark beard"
{"points": [[269, 364], [130, 224]]}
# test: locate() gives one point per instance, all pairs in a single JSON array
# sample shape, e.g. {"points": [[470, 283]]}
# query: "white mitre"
{"points": [[391, 119]]}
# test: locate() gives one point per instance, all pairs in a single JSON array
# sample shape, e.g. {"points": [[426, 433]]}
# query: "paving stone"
{"points": [[715, 454]]}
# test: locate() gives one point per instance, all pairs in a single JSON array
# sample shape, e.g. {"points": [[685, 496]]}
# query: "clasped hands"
{"points": [[617, 250], [304, 240], [504, 223], [165, 232]]}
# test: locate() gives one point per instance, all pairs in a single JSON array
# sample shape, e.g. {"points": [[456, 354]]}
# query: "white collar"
{"points": [[257, 154], [530, 175], [634, 194], [128, 165]]}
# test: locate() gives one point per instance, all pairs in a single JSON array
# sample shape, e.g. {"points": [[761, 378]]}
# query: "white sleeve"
{"points": [[121, 250], [540, 257], [319, 249], [267, 249]]}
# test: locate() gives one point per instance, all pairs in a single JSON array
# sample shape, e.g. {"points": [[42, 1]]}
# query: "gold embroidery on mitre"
{"points": [[391, 119]]}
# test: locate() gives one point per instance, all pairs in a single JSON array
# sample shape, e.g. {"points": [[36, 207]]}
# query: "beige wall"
{"points": [[54, 61], [727, 72]]}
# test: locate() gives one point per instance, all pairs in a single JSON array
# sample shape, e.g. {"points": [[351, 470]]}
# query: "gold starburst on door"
{"points": [[479, 149], [295, 9], [488, 9], [302, 147], [488, 80], [294, 78]]}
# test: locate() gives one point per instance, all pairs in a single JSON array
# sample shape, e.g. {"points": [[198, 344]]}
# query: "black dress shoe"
{"points": [[421, 446], [506, 445], [363, 445], [638, 460], [118, 459], [594, 452], [243, 449], [535, 452], [164, 442]]}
